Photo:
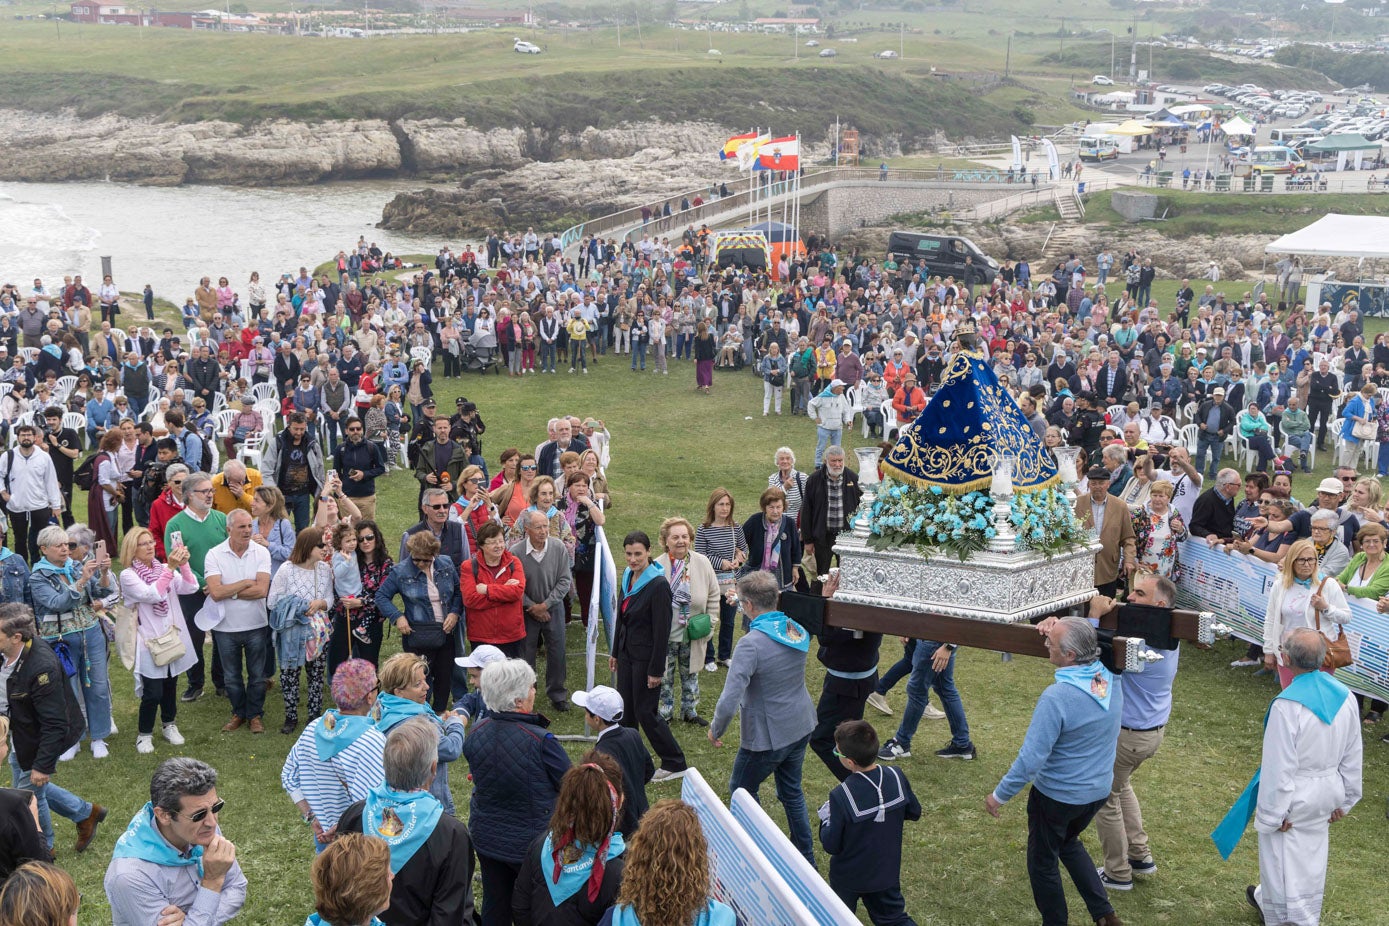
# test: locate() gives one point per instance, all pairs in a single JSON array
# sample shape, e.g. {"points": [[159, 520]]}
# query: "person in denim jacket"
{"points": [[427, 583]]}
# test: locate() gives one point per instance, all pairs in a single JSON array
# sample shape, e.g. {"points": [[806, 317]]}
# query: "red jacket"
{"points": [[499, 615], [908, 406], [162, 510]]}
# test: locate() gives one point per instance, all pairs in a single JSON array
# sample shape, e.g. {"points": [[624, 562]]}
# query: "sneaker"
{"points": [[1113, 884], [957, 752], [70, 754], [1143, 866], [144, 744], [665, 774], [711, 666], [931, 712], [171, 734], [192, 694], [1245, 663], [571, 369], [114, 729], [879, 703], [893, 750], [99, 750], [695, 719], [585, 371]]}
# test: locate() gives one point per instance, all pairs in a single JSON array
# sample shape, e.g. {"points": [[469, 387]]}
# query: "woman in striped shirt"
{"points": [[721, 539], [789, 480]]}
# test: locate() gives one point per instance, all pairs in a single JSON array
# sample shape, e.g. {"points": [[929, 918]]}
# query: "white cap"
{"points": [[483, 655], [601, 701]]}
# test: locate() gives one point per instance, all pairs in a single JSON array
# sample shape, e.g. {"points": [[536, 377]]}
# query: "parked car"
{"points": [[886, 53], [526, 48], [1102, 81], [828, 53], [812, 43]]}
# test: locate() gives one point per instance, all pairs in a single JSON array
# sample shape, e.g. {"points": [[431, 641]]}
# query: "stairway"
{"points": [[1066, 205]]}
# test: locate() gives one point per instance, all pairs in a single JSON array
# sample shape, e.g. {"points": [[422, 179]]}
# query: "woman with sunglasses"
{"points": [[427, 584], [473, 507], [306, 575], [373, 564], [1301, 596]]}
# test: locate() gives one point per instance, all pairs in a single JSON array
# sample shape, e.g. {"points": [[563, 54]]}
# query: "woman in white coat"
{"points": [[151, 589], [1302, 596], [694, 590]]}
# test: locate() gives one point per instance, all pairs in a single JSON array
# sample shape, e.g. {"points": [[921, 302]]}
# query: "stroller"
{"points": [[481, 356]]}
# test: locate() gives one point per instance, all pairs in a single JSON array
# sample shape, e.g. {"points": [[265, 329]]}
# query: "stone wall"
{"points": [[843, 208]]}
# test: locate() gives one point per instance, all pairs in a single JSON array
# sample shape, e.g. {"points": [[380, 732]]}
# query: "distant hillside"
{"points": [[1187, 65]]}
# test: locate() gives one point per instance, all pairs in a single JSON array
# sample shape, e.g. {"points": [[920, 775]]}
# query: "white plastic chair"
{"points": [[222, 421], [1190, 433], [63, 387], [219, 402], [263, 392], [77, 422], [1115, 412], [889, 419], [30, 354], [1189, 411], [250, 451]]}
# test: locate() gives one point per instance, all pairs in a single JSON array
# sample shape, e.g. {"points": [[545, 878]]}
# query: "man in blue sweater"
{"points": [[1068, 756]]}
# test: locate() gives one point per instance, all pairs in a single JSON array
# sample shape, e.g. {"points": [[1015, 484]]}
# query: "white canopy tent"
{"points": [[1362, 236], [1237, 126]]}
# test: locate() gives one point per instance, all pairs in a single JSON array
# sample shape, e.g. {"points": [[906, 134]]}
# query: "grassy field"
{"points": [[671, 446]]}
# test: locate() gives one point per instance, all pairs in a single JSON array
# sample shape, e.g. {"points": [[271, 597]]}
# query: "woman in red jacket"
{"points": [[494, 586]]}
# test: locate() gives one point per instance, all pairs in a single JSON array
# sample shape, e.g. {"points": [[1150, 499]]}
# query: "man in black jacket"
{"points": [[434, 882], [1214, 421], [1213, 514], [828, 503], [850, 658], [205, 375], [1323, 390], [45, 720]]}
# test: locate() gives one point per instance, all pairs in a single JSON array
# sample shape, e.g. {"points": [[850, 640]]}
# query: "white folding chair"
{"points": [[250, 451], [263, 392], [219, 402], [889, 419]]}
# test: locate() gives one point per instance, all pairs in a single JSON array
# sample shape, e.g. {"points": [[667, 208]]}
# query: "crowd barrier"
{"points": [[1235, 588]]}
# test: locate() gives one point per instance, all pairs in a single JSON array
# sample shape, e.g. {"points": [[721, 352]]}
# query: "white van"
{"points": [[1274, 159], [1288, 136]]}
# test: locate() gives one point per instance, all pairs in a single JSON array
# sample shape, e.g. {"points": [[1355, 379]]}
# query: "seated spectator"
{"points": [[154, 870], [351, 882]]}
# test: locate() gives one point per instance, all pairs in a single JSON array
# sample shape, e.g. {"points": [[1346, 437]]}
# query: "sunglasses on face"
{"points": [[198, 816], [437, 507], [528, 468]]}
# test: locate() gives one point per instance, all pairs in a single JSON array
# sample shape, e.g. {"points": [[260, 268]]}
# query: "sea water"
{"points": [[170, 237]]}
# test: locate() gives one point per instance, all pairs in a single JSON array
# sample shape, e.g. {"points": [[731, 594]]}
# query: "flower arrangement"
{"points": [[961, 525], [930, 520], [1045, 522]]}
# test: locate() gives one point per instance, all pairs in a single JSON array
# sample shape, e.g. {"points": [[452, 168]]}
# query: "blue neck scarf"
{"points": [[1305, 583], [316, 920], [142, 840], [392, 709], [783, 630], [335, 731], [630, 588], [1092, 678], [575, 875], [713, 914], [1323, 696], [45, 565], [403, 819]]}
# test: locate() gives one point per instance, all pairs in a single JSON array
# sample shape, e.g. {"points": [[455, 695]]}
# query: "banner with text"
{"points": [[1235, 588], [824, 904], [743, 877]]}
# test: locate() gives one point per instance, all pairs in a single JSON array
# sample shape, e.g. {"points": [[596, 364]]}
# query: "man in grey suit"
{"points": [[546, 564]]}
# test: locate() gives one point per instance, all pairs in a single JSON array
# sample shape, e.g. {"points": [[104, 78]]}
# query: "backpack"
{"points": [[205, 461], [85, 474]]}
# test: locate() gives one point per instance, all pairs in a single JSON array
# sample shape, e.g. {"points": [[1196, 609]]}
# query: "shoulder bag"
{"points": [[1338, 650], [166, 648]]}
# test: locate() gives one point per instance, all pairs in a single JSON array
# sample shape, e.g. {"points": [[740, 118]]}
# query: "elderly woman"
{"points": [[427, 584], [164, 649], [1160, 531], [789, 480], [405, 685], [543, 497], [1300, 596], [65, 594], [1332, 555], [774, 544], [694, 597], [337, 759], [1255, 430], [306, 575], [592, 467], [871, 396], [1137, 490], [351, 882], [517, 767]]}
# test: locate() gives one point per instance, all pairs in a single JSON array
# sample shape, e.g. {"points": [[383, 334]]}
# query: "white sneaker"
{"points": [[1244, 663], [99, 750], [665, 775], [171, 734], [69, 755], [114, 729], [879, 703], [932, 712], [144, 744]]}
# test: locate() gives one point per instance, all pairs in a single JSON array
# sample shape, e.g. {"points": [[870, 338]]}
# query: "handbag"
{"points": [[424, 636], [1338, 650], [698, 627], [166, 648], [1364, 430]]}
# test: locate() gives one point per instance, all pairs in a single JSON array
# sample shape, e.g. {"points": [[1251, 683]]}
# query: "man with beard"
{"points": [[29, 488]]}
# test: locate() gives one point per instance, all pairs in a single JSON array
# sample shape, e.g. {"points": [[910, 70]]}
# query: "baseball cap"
{"points": [[1332, 485], [601, 701], [483, 655]]}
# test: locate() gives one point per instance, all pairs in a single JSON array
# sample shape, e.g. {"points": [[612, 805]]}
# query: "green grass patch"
{"points": [[671, 446]]}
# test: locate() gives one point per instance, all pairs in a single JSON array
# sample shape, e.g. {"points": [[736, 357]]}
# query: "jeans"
{"points": [[547, 356], [1053, 833], [247, 695], [92, 684], [50, 796], [299, 507], [639, 354], [727, 612], [919, 686], [751, 768], [577, 356], [825, 437], [1303, 443], [898, 670], [1212, 445]]}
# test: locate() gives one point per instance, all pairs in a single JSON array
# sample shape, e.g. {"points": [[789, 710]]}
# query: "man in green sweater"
{"points": [[1297, 429], [199, 528]]}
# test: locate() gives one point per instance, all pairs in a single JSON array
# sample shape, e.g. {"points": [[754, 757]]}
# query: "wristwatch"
{"points": [[952, 646]]}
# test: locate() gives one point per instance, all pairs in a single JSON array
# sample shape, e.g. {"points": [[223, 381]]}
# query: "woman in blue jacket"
{"points": [[424, 629]]}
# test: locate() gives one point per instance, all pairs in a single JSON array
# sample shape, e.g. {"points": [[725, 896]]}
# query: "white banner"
{"points": [[1053, 163], [824, 905], [1235, 588], [601, 603], [1017, 152], [743, 877]]}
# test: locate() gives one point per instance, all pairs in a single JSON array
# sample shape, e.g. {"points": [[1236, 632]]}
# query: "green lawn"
{"points": [[670, 447]]}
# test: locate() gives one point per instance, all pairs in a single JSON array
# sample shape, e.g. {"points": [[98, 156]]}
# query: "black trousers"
{"points": [[643, 710], [824, 557], [498, 886], [440, 672], [157, 694], [885, 908], [1053, 833], [841, 699], [1320, 410], [197, 675], [27, 525], [1108, 589]]}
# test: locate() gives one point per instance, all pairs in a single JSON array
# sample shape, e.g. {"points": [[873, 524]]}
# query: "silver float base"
{"points": [[1004, 587]]}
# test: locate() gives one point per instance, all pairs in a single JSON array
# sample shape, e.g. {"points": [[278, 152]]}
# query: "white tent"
{"points": [[1362, 236], [1237, 126]]}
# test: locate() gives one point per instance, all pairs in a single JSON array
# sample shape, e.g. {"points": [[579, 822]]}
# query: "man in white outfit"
{"points": [[1310, 779]]}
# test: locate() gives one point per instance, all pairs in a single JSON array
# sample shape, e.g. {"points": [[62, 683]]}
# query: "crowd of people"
{"points": [[233, 470]]}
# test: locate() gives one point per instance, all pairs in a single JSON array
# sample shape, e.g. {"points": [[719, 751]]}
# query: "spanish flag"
{"points": [[730, 147]]}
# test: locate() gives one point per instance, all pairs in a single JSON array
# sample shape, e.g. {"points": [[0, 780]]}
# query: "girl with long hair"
{"points": [[667, 879]]}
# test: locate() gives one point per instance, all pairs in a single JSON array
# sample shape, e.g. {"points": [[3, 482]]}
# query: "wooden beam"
{"points": [[1186, 625]]}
